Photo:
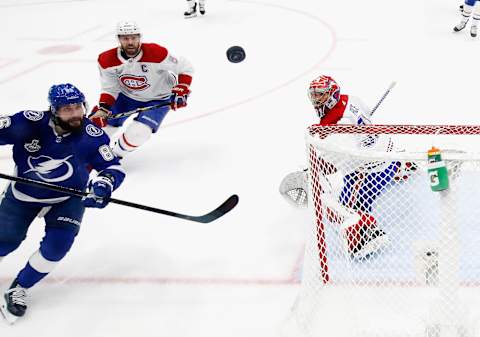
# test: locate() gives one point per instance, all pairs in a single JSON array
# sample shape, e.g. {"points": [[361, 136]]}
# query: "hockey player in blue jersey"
{"points": [[59, 146]]}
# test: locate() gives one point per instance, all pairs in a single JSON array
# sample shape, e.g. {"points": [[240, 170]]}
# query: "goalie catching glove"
{"points": [[294, 188]]}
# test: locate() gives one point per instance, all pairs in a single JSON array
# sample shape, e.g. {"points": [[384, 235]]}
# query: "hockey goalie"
{"points": [[348, 197]]}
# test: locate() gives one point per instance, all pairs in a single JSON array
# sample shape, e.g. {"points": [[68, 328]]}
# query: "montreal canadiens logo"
{"points": [[50, 170], [133, 82]]}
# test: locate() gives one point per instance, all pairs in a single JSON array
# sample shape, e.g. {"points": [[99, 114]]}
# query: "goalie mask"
{"points": [[323, 92]]}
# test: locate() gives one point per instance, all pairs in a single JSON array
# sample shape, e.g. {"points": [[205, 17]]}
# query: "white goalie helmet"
{"points": [[128, 28]]}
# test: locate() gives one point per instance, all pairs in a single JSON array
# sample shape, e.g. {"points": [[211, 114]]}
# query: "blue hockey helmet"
{"points": [[64, 94]]}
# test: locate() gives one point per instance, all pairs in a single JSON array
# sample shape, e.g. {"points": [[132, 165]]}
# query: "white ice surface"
{"points": [[132, 273]]}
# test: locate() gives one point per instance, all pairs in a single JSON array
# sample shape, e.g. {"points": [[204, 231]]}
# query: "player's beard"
{"points": [[72, 125], [132, 50]]}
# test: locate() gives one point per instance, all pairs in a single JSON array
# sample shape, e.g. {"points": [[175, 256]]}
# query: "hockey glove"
{"points": [[99, 115], [99, 194], [179, 96]]}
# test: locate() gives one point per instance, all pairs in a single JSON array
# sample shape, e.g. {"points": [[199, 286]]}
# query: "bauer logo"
{"points": [[33, 115], [133, 82], [69, 220]]}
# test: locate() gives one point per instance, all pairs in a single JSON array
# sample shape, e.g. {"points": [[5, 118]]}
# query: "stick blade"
{"points": [[220, 211]]}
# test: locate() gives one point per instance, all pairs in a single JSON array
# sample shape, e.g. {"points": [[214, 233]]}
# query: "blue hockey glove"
{"points": [[99, 192]]}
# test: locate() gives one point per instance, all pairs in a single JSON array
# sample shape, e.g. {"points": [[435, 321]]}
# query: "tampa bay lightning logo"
{"points": [[50, 170], [93, 131], [33, 115]]}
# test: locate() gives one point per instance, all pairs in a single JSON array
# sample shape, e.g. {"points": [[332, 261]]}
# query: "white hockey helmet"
{"points": [[128, 28]]}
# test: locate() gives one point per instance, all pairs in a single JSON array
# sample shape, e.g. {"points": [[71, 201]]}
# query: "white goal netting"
{"points": [[385, 255]]}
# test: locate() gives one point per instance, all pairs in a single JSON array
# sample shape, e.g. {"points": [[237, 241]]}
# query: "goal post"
{"points": [[385, 255]]}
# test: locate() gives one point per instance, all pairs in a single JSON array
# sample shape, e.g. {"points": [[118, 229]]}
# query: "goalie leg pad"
{"points": [[361, 188], [362, 236]]}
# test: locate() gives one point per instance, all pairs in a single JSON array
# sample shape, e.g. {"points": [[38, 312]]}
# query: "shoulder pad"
{"points": [[93, 131], [153, 52], [33, 116], [109, 59]]}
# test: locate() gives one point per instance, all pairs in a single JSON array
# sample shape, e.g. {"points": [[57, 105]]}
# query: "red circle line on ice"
{"points": [[281, 85]]}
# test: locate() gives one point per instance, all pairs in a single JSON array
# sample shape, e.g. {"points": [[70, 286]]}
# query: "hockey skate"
{"points": [[460, 26], [201, 7], [191, 12], [473, 31], [363, 237], [14, 304]]}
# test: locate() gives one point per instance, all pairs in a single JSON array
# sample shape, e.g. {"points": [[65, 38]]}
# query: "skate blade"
{"points": [[7, 315], [372, 247], [190, 16]]}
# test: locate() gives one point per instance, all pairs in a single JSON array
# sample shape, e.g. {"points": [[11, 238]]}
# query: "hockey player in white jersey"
{"points": [[193, 5], [348, 196], [139, 75], [467, 10]]}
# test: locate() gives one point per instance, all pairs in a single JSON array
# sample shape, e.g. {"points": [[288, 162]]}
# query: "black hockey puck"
{"points": [[236, 54]]}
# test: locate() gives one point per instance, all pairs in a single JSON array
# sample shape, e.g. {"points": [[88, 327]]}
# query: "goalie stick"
{"points": [[390, 87], [218, 212]]}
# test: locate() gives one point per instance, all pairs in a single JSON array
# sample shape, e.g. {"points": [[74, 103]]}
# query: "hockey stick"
{"points": [[221, 210], [390, 87], [138, 110]]}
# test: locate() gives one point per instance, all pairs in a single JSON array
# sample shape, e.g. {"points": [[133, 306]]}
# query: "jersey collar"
{"points": [[124, 59]]}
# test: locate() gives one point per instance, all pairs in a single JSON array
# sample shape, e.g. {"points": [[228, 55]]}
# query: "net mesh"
{"points": [[387, 256]]}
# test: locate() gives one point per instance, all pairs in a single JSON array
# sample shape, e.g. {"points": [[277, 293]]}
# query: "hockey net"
{"points": [[387, 256]]}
